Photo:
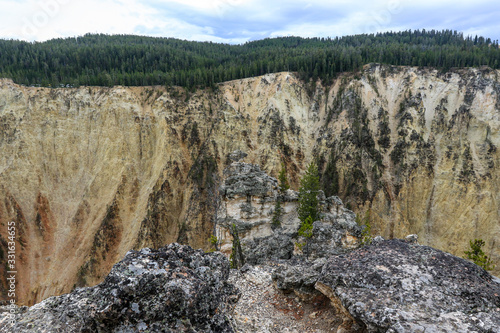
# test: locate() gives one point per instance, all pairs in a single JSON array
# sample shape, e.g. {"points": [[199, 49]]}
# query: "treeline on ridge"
{"points": [[105, 60]]}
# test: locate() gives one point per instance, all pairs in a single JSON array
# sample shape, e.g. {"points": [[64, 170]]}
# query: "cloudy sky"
{"points": [[238, 21]]}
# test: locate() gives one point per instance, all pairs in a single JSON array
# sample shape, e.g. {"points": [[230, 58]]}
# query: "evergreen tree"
{"points": [[283, 180], [283, 187], [308, 194], [278, 212], [138, 60], [477, 255], [236, 259]]}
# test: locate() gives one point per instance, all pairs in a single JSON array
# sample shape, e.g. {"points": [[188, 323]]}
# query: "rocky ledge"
{"points": [[173, 289], [388, 286], [400, 286]]}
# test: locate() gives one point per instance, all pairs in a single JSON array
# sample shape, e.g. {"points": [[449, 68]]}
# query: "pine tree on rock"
{"points": [[477, 255], [283, 180], [277, 213], [308, 194], [283, 187]]}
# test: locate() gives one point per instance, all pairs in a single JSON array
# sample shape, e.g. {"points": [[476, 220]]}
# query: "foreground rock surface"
{"points": [[173, 289], [400, 286], [389, 286], [263, 308]]}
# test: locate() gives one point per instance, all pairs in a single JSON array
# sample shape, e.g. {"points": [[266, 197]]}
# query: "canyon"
{"points": [[89, 173]]}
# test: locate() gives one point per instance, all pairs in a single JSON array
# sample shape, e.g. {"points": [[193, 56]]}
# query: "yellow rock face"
{"points": [[89, 173], [438, 174]]}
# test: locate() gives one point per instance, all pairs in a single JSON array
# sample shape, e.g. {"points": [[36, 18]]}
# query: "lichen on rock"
{"points": [[400, 286], [173, 289]]}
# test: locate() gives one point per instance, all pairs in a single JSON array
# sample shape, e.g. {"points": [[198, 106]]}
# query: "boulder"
{"points": [[236, 156], [243, 179], [331, 239], [278, 246], [400, 286], [173, 289], [298, 276]]}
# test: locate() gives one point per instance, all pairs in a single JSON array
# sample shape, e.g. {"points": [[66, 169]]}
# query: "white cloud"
{"points": [[45, 19], [236, 21]]}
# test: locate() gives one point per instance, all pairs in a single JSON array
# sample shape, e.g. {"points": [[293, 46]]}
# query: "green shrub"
{"points": [[306, 228], [366, 234], [214, 241], [306, 231], [477, 255]]}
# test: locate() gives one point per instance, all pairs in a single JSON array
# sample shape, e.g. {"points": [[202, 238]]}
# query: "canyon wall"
{"points": [[89, 173], [418, 149]]}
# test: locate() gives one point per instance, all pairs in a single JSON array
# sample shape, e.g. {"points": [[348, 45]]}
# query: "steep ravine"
{"points": [[89, 173]]}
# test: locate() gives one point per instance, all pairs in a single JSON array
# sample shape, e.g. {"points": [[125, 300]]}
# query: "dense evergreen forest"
{"points": [[105, 60]]}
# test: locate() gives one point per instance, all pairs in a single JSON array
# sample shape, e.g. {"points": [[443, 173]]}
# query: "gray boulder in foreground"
{"points": [[400, 286], [173, 289]]}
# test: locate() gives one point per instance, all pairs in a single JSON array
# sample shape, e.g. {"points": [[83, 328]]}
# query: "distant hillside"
{"points": [[102, 60]]}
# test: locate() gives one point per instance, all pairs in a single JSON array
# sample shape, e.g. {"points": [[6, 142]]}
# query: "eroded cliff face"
{"points": [[419, 149], [90, 173]]}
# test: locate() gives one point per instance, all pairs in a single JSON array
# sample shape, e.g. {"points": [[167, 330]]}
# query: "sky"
{"points": [[239, 21]]}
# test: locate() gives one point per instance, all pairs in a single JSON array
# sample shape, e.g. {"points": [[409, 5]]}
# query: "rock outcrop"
{"points": [[248, 198], [173, 289], [89, 173], [400, 286]]}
